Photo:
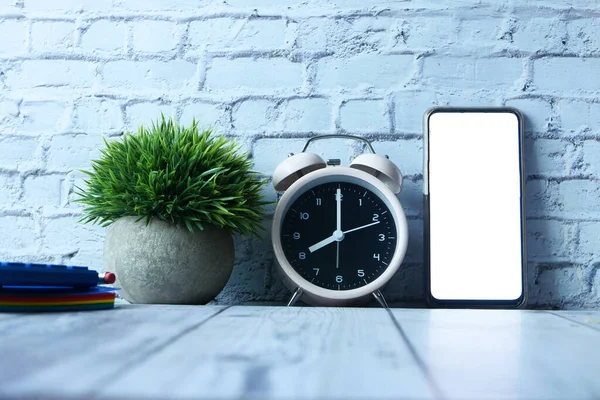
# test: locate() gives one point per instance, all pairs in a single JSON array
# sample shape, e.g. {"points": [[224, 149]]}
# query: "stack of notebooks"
{"points": [[26, 287]]}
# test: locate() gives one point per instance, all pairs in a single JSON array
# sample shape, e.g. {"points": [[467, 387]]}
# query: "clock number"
{"points": [[360, 202], [361, 273], [318, 201], [376, 256], [302, 255], [381, 237], [341, 196], [375, 217], [316, 269], [296, 235], [303, 215], [339, 279]]}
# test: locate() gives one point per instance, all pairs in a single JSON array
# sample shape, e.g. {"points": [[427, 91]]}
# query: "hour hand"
{"points": [[321, 244], [337, 236]]}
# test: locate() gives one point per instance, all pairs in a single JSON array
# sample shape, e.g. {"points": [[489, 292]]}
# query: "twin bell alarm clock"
{"points": [[339, 233]]}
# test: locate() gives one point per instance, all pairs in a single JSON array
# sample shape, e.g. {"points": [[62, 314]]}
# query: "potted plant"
{"points": [[172, 197]]}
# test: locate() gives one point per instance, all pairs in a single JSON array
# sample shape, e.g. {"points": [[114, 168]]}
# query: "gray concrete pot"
{"points": [[167, 264]]}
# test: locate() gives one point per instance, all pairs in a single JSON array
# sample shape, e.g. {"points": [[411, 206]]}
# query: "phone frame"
{"points": [[431, 300]]}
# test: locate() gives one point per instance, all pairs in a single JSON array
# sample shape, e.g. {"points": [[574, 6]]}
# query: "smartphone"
{"points": [[474, 208]]}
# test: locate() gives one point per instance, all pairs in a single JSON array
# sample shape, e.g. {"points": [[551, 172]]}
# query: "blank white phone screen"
{"points": [[475, 206]]}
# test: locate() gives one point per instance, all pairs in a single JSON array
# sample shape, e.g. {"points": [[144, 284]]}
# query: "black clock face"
{"points": [[339, 251]]}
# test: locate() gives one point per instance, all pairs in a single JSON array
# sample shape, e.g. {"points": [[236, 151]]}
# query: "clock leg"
{"points": [[295, 297], [380, 299]]}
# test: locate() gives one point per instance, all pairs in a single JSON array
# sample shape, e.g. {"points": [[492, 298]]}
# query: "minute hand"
{"points": [[362, 227]]}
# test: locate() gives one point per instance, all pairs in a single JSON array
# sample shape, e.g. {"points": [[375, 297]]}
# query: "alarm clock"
{"points": [[339, 233]]}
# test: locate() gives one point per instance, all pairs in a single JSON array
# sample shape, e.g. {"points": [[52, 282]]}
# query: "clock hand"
{"points": [[321, 244], [337, 257], [337, 236], [362, 227], [338, 200]]}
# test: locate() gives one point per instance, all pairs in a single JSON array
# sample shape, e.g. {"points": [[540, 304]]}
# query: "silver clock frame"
{"points": [[316, 295]]}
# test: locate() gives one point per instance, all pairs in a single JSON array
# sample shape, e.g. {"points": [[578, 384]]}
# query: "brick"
{"points": [[72, 152], [368, 70], [469, 98], [10, 187], [471, 73], [578, 117], [316, 33], [548, 157], [43, 116], [547, 240], [344, 37], [17, 232], [8, 4], [48, 36], [274, 73], [589, 238], [365, 116], [163, 5], [256, 116], [557, 286], [262, 3], [307, 115], [146, 114], [568, 74], [68, 234], [52, 73], [94, 115], [154, 36], [269, 194], [8, 111], [591, 156], [68, 5], [103, 35], [579, 198], [415, 249], [215, 115], [410, 107], [15, 151], [537, 114], [42, 191], [540, 35], [478, 33], [411, 197], [88, 253], [149, 75], [542, 198], [406, 154], [228, 33], [583, 36], [14, 36], [425, 32], [268, 153], [407, 284]]}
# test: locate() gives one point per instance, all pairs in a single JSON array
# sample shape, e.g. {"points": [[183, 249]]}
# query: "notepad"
{"points": [[42, 299]]}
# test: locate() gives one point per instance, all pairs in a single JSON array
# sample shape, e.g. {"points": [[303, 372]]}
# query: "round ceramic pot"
{"points": [[162, 263]]}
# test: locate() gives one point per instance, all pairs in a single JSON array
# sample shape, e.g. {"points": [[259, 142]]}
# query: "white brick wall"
{"points": [[272, 72], [104, 36], [51, 36]]}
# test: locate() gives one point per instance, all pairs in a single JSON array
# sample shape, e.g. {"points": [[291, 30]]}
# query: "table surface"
{"points": [[262, 352]]}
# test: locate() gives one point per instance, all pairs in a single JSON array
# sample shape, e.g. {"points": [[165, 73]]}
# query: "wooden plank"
{"points": [[484, 354], [279, 352], [73, 354], [5, 316], [587, 318]]}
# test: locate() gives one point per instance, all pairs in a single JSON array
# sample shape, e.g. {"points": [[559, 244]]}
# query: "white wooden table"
{"points": [[187, 352]]}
